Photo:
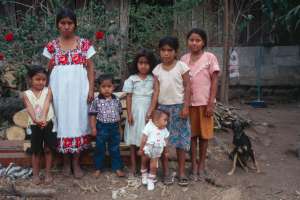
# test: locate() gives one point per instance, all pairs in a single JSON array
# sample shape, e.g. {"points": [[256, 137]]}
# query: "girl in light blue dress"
{"points": [[139, 89]]}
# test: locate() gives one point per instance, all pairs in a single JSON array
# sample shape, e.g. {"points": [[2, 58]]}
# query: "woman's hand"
{"points": [[90, 96], [130, 119], [184, 112], [210, 109]]}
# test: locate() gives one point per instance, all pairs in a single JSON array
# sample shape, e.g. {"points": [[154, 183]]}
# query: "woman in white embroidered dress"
{"points": [[72, 83]]}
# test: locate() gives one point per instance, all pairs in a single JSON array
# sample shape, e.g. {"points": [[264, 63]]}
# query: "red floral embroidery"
{"points": [[1, 56], [63, 59], [85, 45], [9, 37], [99, 35], [77, 59], [52, 62], [85, 140], [50, 47], [78, 142], [67, 142]]}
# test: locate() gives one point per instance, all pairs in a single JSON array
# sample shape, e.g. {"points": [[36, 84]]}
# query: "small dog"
{"points": [[242, 151]]}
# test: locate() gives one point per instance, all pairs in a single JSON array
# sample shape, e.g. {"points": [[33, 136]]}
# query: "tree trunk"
{"points": [[225, 70], [124, 23]]}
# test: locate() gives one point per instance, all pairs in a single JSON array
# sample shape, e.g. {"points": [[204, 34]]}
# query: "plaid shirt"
{"points": [[106, 110]]}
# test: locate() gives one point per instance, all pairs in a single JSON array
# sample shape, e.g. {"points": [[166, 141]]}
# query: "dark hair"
{"points": [[105, 77], [66, 12], [200, 32], [158, 113], [170, 41], [36, 69], [143, 53]]}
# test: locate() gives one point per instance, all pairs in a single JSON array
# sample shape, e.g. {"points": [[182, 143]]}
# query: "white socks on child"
{"points": [[148, 179], [144, 178]]}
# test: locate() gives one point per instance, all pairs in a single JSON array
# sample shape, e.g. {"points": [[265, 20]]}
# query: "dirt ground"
{"points": [[274, 135]]}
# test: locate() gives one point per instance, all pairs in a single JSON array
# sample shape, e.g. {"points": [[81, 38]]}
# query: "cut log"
{"points": [[26, 191], [15, 133], [21, 118]]}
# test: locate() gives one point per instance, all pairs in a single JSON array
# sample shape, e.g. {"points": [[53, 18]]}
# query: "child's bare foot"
{"points": [[48, 179], [67, 170], [36, 180], [120, 173], [77, 172], [97, 173]]}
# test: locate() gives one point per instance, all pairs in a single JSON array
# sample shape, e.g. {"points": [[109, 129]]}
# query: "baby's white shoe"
{"points": [[151, 182]]}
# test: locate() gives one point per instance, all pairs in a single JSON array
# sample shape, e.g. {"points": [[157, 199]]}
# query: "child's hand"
{"points": [[140, 152], [130, 119], [184, 112], [148, 116], [210, 109], [94, 132], [90, 96]]}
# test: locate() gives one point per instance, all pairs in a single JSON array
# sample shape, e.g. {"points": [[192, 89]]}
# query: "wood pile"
{"points": [[225, 115]]}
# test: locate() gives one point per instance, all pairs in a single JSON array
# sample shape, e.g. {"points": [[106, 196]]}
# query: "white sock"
{"points": [[144, 176]]}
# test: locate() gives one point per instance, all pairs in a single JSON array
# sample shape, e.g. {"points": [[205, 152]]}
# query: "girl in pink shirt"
{"points": [[204, 70]]}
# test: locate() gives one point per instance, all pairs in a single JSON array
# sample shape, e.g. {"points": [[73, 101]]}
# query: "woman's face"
{"points": [[195, 42], [66, 27]]}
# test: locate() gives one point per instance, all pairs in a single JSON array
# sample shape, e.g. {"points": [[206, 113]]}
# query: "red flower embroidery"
{"points": [[9, 37], [78, 141], [99, 35], [85, 45], [76, 59], [67, 142], [63, 59], [1, 56], [85, 140], [50, 47]]}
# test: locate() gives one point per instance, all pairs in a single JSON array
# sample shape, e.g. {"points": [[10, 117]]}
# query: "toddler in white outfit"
{"points": [[153, 144]]}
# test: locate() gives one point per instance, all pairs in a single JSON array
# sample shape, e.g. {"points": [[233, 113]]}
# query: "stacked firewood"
{"points": [[225, 115]]}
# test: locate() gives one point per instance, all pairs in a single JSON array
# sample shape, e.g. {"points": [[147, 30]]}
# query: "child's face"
{"points": [[143, 65], [66, 27], [106, 88], [162, 121], [167, 54], [195, 42], [38, 81]]}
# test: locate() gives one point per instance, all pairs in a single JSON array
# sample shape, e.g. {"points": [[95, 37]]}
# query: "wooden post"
{"points": [[124, 23], [225, 70]]}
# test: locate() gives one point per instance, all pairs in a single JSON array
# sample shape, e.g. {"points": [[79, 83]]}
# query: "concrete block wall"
{"points": [[280, 65]]}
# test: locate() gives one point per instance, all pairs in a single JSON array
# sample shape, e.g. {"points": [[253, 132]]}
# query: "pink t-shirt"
{"points": [[200, 74]]}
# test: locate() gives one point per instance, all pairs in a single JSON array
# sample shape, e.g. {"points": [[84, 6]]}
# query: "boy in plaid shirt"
{"points": [[105, 114]]}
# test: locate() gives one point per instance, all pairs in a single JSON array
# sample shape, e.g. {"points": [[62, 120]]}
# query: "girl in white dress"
{"points": [[72, 84], [139, 89]]}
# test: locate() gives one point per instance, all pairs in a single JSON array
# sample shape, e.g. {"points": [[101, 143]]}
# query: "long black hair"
{"points": [[143, 53]]}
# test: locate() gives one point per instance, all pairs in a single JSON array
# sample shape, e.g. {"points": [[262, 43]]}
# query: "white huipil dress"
{"points": [[69, 84]]}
